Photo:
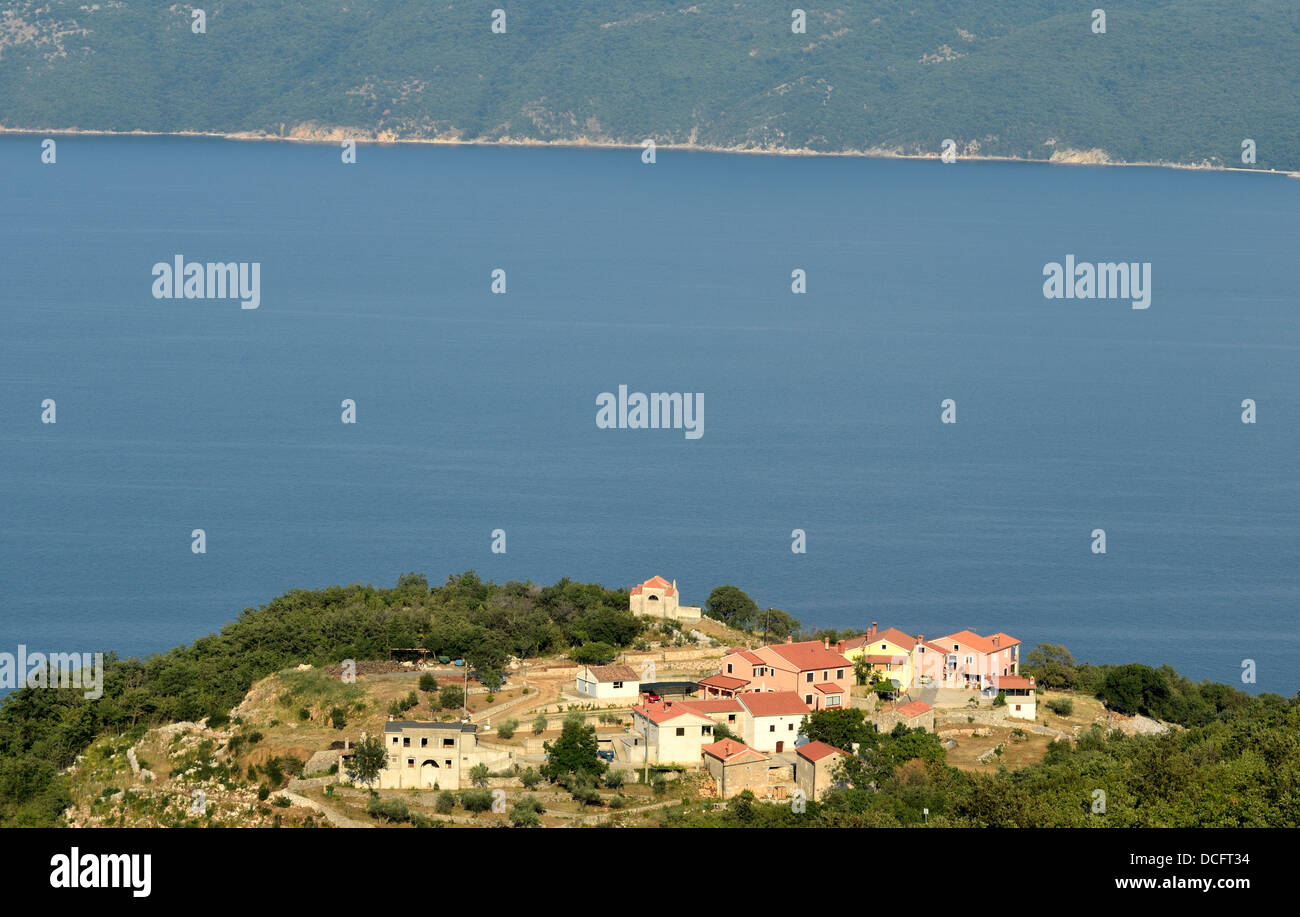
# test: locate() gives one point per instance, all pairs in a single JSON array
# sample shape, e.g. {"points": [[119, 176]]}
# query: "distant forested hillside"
{"points": [[1182, 81]]}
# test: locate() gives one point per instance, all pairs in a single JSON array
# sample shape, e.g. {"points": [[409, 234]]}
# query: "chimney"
{"points": [[839, 647], [1031, 681], [789, 639], [826, 642], [996, 640], [920, 638], [873, 628]]}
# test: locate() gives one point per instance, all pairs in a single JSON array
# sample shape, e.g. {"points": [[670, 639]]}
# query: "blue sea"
{"points": [[476, 411]]}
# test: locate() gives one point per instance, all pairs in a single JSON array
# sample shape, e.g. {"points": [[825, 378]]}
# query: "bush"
{"points": [[392, 810], [1062, 706], [428, 683], [217, 720], [523, 814], [445, 803], [283, 802], [506, 729], [304, 713], [451, 696], [539, 724], [337, 718], [1000, 700], [614, 779], [263, 791], [530, 779], [476, 800], [618, 801], [659, 785]]}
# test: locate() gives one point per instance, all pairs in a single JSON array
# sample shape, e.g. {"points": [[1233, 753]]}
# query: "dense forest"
{"points": [[1169, 80]]}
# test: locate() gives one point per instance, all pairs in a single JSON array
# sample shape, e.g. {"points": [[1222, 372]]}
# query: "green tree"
{"points": [[368, 758], [451, 697], [840, 727], [574, 752], [732, 607]]}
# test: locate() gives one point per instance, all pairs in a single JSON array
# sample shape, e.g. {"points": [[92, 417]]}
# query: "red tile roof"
{"points": [[815, 751], [1011, 681], [811, 654], [662, 713], [606, 673], [827, 687], [712, 705], [654, 582], [773, 703], [880, 660], [723, 681], [976, 642], [913, 708], [729, 750]]}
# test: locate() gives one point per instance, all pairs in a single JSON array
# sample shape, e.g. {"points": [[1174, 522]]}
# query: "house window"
{"points": [[681, 730], [728, 668], [406, 741], [789, 727], [410, 762], [839, 674], [826, 675], [394, 740], [424, 740], [969, 660], [448, 743], [708, 730], [449, 762], [731, 717], [807, 699], [1017, 706], [810, 677], [772, 728], [618, 685], [833, 700]]}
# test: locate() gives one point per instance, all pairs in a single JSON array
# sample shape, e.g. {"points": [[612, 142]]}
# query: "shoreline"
{"points": [[325, 136]]}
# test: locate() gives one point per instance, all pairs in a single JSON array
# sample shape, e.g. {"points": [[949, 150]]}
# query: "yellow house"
{"points": [[887, 652]]}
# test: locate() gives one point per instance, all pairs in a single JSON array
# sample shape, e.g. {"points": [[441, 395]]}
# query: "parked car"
{"points": [[608, 755], [927, 679], [459, 662]]}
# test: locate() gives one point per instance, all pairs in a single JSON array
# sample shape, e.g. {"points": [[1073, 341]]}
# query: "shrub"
{"points": [[539, 724], [614, 779], [659, 785], [337, 718], [392, 810], [304, 713], [446, 802], [506, 729], [530, 779], [1000, 700], [476, 800], [618, 801], [263, 791], [217, 720], [283, 802], [1062, 706], [428, 683]]}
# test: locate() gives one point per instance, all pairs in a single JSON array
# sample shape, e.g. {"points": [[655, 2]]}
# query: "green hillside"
{"points": [[1183, 81]]}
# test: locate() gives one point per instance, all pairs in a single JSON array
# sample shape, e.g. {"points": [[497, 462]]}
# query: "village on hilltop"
{"points": [[738, 718]]}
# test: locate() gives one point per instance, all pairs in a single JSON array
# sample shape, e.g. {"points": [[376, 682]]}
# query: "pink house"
{"points": [[971, 661], [819, 675]]}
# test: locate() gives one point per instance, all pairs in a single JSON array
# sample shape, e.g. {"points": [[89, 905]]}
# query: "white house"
{"points": [[772, 719], [609, 682], [1018, 692], [673, 734]]}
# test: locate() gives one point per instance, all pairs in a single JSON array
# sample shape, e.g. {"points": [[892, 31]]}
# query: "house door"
{"points": [[428, 774], [780, 746]]}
